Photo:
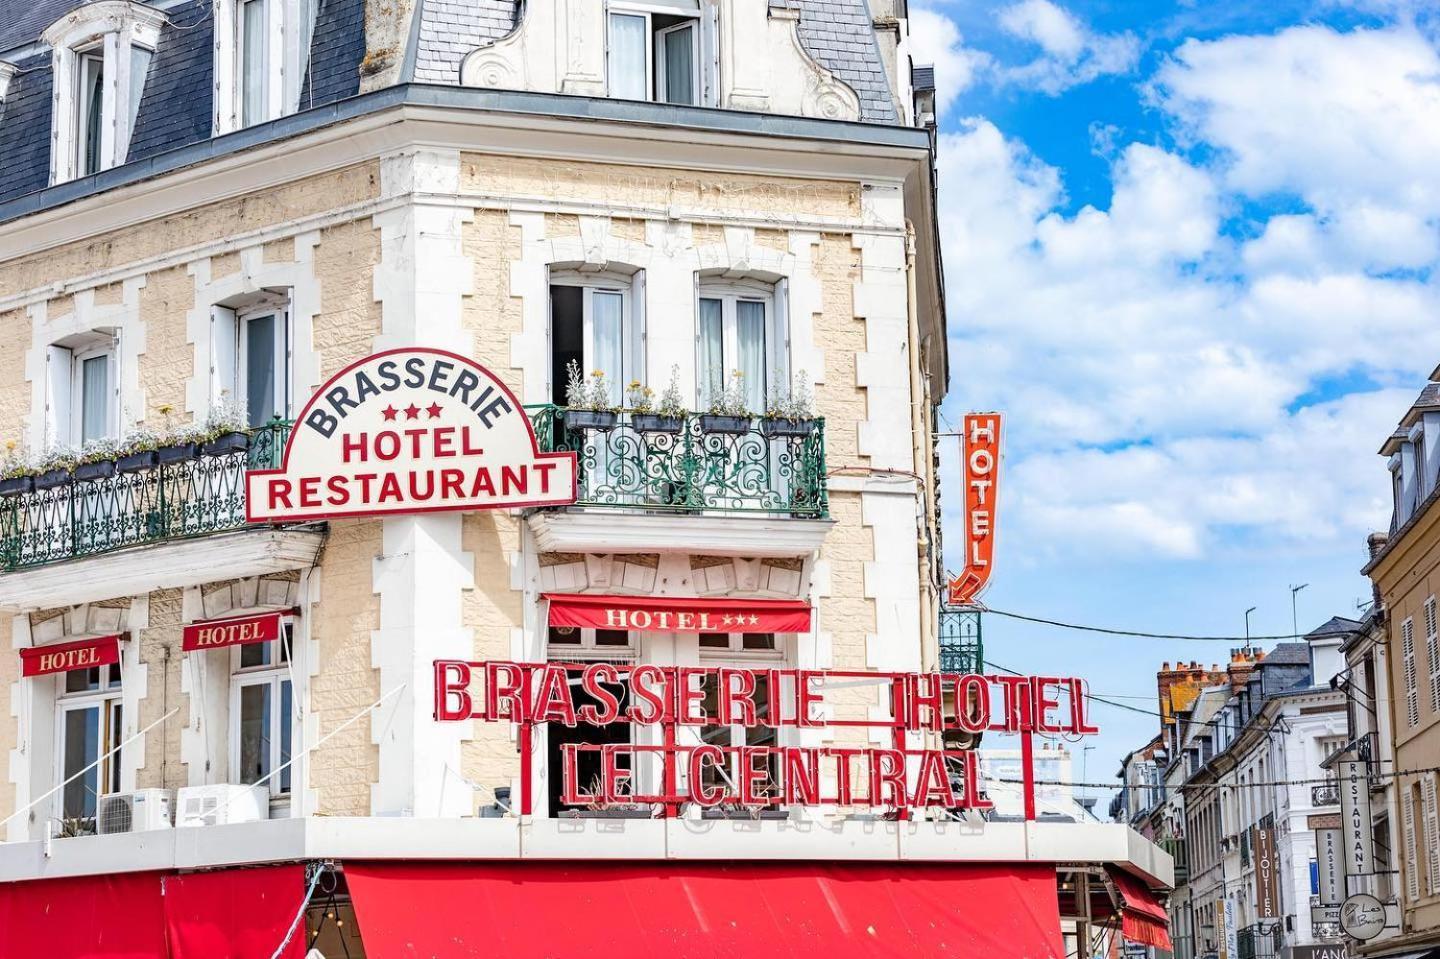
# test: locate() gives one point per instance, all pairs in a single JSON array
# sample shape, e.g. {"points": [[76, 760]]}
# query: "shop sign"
{"points": [[1232, 930], [1355, 817], [409, 431], [1329, 863], [672, 697], [1267, 902], [1324, 950], [63, 657], [980, 470], [231, 632], [1362, 917], [1323, 915], [678, 615]]}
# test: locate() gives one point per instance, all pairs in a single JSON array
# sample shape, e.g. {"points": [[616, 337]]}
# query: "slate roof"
{"points": [[336, 49], [21, 21], [176, 108], [1335, 626], [25, 129], [1287, 654], [838, 33]]}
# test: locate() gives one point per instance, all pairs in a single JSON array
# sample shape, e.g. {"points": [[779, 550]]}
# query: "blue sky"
{"points": [[1190, 251]]}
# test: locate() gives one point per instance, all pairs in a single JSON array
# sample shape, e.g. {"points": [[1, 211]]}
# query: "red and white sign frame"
{"points": [[980, 466], [236, 631], [682, 614], [64, 657], [401, 420]]}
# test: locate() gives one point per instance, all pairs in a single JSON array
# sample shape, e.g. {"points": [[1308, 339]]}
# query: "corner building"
{"points": [[209, 210]]}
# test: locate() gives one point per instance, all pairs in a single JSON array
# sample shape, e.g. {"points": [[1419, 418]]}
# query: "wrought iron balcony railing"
{"points": [[143, 499], [1259, 941], [1327, 794], [962, 649], [691, 464]]}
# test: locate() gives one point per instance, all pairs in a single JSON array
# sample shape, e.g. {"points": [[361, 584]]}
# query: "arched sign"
{"points": [[409, 431]]}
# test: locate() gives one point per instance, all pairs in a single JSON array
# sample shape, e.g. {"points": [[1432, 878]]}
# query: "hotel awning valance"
{"points": [[218, 633], [686, 910], [63, 657], [672, 614], [1142, 918]]}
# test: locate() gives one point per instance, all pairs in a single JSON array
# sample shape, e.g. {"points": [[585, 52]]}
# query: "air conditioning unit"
{"points": [[223, 804], [139, 811]]}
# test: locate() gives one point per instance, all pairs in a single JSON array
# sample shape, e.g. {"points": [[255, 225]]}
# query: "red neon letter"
{"points": [[448, 689]]}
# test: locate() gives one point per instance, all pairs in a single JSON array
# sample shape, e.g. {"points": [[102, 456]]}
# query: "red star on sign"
{"points": [[412, 412], [434, 410], [389, 412]]}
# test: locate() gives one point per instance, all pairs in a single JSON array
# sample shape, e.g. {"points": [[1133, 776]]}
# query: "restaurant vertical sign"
{"points": [[980, 466], [1359, 850]]}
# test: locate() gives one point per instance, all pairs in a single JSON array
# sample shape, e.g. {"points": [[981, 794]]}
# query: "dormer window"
{"points": [[262, 49], [101, 57], [655, 51]]}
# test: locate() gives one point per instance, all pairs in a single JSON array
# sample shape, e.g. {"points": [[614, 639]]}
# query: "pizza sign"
{"points": [[408, 431]]}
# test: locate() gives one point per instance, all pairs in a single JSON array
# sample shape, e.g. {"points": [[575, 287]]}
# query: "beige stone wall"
{"points": [[343, 769], [349, 321], [842, 335], [169, 357], [161, 654], [14, 388]]}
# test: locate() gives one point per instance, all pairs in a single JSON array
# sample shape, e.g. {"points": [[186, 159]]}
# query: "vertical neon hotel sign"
{"points": [[980, 465]]}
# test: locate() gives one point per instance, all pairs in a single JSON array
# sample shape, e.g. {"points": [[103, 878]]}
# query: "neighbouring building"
{"points": [[453, 448], [1394, 688]]}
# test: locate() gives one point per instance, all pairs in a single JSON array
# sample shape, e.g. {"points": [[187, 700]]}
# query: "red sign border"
{"points": [[31, 654], [192, 628], [410, 511]]}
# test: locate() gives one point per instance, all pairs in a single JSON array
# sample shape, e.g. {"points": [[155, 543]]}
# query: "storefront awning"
{"points": [[1142, 918], [63, 657], [671, 614], [219, 633], [675, 910]]}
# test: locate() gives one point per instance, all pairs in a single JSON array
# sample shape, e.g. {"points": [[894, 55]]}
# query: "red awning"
{"points": [[670, 614], [674, 910], [63, 657], [234, 913], [219, 633], [1143, 919]]}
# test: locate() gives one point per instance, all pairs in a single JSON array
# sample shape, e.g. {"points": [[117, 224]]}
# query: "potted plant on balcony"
{"points": [[54, 468], [668, 416], [225, 430], [789, 414], [96, 460], [177, 444], [140, 446], [17, 476], [587, 401], [728, 412]]}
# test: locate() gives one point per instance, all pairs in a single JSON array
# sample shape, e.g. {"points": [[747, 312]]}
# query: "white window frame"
{"points": [[588, 649], [107, 699], [84, 136], [290, 30], [657, 58], [241, 41], [1411, 679], [632, 322], [114, 28], [713, 657], [654, 66], [77, 390], [275, 674], [730, 292], [269, 306]]}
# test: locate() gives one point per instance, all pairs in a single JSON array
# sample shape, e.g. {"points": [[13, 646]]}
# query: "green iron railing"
{"points": [[202, 494], [961, 648], [692, 464]]}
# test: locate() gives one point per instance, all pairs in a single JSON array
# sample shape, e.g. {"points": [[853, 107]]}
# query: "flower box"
{"points": [[17, 485], [655, 423], [136, 462], [177, 453], [88, 472], [719, 423], [53, 478], [236, 442], [781, 426], [591, 419]]}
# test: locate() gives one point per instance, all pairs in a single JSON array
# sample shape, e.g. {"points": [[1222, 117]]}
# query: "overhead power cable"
{"points": [[1321, 781], [1139, 634]]}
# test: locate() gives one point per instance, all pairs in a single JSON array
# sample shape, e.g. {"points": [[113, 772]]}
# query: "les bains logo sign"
{"points": [[408, 431]]}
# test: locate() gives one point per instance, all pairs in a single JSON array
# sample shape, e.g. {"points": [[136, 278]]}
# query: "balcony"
{"points": [[747, 486], [1179, 852], [961, 648], [202, 492], [1327, 794], [1259, 941]]}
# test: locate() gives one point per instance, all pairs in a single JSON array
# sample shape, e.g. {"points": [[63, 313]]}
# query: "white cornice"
{"points": [[612, 531]]}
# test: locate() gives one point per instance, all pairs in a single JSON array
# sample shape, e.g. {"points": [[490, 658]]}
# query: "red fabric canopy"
{"points": [[675, 910], [672, 614], [218, 633], [1142, 917], [234, 913], [117, 916], [63, 657]]}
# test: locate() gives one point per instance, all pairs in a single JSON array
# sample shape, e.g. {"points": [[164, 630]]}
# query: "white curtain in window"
{"points": [[677, 46], [252, 61], [750, 337], [608, 339], [94, 398], [712, 361], [628, 42]]}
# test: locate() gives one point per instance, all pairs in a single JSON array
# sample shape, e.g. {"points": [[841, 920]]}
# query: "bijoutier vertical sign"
{"points": [[409, 431], [980, 462], [1267, 901]]}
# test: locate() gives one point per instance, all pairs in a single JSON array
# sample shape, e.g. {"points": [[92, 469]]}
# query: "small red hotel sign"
{"points": [[678, 614], [219, 633], [409, 431], [980, 464], [63, 657]]}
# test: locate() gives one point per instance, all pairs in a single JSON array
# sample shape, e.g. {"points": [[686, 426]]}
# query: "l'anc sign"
{"points": [[409, 431]]}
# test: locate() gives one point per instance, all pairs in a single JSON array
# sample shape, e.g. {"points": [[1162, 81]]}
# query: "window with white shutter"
{"points": [[1432, 832], [1412, 860], [1407, 656], [1432, 652]]}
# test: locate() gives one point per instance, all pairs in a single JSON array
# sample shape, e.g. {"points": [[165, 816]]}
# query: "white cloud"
{"points": [[935, 39], [1072, 53]]}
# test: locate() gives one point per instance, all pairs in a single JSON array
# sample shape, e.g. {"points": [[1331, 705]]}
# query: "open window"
{"points": [[575, 645], [738, 331], [596, 322], [262, 54], [83, 395], [88, 727], [756, 651], [661, 51], [261, 712], [250, 357]]}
